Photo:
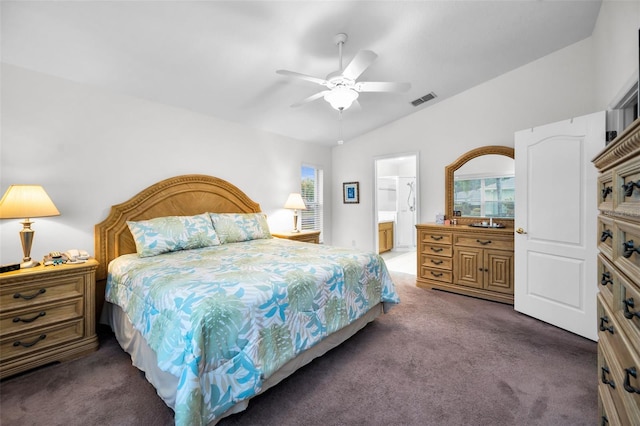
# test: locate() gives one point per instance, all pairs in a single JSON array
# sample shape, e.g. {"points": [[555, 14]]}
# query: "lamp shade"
{"points": [[295, 201], [26, 201], [340, 97]]}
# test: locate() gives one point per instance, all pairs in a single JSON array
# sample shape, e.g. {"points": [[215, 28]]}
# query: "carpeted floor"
{"points": [[435, 359]]}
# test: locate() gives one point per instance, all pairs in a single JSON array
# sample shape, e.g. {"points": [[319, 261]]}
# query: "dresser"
{"points": [[618, 279], [46, 315], [466, 260], [385, 236], [304, 236]]}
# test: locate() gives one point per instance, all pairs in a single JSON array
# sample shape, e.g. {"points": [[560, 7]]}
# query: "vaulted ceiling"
{"points": [[220, 58]]}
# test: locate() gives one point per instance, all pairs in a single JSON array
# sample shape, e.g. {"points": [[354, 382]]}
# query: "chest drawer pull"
{"points": [[436, 262], [606, 191], [628, 187], [606, 279], [484, 243], [628, 249], [437, 237], [28, 345], [436, 274], [605, 319], [627, 380], [606, 234], [628, 313], [604, 379], [436, 249], [31, 296], [18, 319]]}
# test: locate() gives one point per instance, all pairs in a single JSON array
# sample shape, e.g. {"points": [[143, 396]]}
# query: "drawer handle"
{"points": [[32, 296], [605, 319], [606, 234], [605, 421], [436, 262], [628, 249], [627, 380], [28, 345], [606, 191], [484, 243], [18, 319], [628, 313], [437, 249], [436, 274], [604, 379], [437, 237], [628, 187], [606, 279]]}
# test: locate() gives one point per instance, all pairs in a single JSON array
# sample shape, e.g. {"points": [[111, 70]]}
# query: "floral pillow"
{"points": [[173, 233], [235, 227]]}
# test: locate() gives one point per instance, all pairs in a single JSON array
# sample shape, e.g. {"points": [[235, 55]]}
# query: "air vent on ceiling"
{"points": [[423, 99]]}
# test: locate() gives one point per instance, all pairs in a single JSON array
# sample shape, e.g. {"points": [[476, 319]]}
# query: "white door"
{"points": [[556, 211]]}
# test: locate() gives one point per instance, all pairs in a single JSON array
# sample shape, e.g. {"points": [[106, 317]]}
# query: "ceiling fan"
{"points": [[342, 88]]}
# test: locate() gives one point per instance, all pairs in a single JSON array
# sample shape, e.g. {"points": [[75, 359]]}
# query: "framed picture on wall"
{"points": [[351, 192]]}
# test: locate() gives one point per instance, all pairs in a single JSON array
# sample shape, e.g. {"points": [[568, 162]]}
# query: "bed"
{"points": [[216, 322]]}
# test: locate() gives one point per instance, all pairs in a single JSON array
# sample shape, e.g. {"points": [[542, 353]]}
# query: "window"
{"points": [[311, 190], [485, 197]]}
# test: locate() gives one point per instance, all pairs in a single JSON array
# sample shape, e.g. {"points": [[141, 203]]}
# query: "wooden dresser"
{"points": [[462, 259], [46, 315], [619, 279], [304, 236]]}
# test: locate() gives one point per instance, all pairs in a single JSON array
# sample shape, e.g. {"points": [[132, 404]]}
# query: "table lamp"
{"points": [[26, 201], [296, 203]]}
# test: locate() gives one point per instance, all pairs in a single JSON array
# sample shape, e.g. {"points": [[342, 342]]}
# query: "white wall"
{"points": [[91, 149], [552, 88]]}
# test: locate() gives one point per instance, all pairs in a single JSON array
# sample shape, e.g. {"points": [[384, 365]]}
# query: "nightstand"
{"points": [[47, 314], [304, 236]]}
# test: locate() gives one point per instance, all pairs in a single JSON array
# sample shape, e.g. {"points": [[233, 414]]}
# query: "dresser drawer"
{"points": [[626, 253], [627, 183], [23, 320], [607, 412], [605, 236], [436, 274], [607, 277], [609, 391], [428, 237], [436, 262], [627, 309], [605, 191], [12, 347], [484, 241], [437, 249], [40, 292]]}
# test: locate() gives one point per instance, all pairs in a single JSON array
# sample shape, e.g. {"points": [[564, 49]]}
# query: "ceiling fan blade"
{"points": [[358, 64], [303, 77], [381, 86], [309, 99]]}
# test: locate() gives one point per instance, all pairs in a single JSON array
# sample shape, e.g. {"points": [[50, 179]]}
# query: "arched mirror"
{"points": [[480, 185]]}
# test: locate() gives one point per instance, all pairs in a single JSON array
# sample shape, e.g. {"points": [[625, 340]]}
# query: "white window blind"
{"points": [[311, 189]]}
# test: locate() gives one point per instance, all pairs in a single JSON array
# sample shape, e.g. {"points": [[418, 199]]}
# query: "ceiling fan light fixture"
{"points": [[341, 97]]}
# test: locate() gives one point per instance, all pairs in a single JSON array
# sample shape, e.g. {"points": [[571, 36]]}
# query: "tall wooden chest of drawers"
{"points": [[47, 314], [619, 279]]}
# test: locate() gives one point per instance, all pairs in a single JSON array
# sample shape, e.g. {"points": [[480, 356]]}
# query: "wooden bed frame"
{"points": [[185, 195]]}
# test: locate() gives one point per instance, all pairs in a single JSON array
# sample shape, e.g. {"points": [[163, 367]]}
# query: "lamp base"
{"points": [[295, 231], [29, 264]]}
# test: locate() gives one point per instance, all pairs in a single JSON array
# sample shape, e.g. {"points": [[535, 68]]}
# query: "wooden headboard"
{"points": [[178, 196]]}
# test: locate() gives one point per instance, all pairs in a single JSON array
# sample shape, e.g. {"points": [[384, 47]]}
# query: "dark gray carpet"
{"points": [[435, 359]]}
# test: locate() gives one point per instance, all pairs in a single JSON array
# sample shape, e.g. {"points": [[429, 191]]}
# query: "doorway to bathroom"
{"points": [[396, 210]]}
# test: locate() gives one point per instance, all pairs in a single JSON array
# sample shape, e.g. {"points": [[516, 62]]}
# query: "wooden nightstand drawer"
{"points": [[40, 292], [302, 236], [38, 340], [20, 321]]}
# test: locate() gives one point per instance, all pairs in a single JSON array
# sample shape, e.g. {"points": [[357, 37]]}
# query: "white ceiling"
{"points": [[219, 58]]}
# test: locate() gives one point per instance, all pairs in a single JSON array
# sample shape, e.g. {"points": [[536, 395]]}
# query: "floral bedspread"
{"points": [[224, 318]]}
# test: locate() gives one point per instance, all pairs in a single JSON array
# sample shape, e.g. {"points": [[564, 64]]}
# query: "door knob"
{"points": [[521, 231]]}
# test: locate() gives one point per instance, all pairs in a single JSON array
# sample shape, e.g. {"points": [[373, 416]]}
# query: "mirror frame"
{"points": [[461, 161]]}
